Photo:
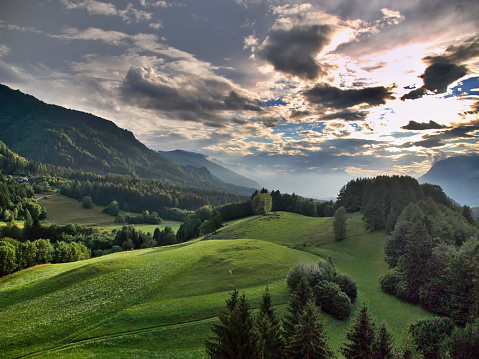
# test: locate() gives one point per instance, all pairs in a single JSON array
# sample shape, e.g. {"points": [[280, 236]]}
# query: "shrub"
{"points": [[332, 300], [390, 281], [347, 285]]}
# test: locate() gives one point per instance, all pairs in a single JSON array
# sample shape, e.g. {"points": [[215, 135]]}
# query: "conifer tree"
{"points": [[297, 302], [308, 340], [268, 327], [383, 344], [339, 224], [234, 335], [361, 337]]}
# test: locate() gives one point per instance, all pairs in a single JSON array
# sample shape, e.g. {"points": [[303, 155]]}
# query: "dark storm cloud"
{"points": [[346, 115], [439, 75], [191, 98], [300, 114], [333, 97], [293, 51], [446, 68], [468, 131], [419, 126], [414, 94]]}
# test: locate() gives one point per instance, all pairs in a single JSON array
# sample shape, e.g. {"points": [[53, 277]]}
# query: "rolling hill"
{"points": [[459, 178], [161, 302]]}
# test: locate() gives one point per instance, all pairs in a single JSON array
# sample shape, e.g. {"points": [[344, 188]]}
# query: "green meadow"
{"points": [[161, 302], [62, 210]]}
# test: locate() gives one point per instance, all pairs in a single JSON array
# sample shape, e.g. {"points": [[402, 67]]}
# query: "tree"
{"points": [[8, 260], [268, 327], [113, 208], [262, 203], [297, 301], [431, 336], [467, 213], [464, 342], [383, 344], [234, 335], [87, 202], [339, 223], [166, 236], [308, 340], [361, 337]]}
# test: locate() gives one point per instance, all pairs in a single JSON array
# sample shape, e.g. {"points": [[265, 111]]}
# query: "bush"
{"points": [[390, 281], [347, 285], [332, 300], [87, 202], [311, 272]]}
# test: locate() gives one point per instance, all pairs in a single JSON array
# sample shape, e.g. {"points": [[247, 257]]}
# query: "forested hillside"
{"points": [[433, 247], [58, 136]]}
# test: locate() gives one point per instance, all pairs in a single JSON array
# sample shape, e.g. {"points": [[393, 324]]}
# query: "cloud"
{"points": [[9, 74], [293, 50], [346, 115], [107, 36], [446, 68], [130, 14], [419, 126], [334, 97], [190, 97], [91, 6]]}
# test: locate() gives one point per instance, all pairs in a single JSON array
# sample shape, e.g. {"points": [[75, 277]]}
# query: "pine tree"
{"points": [[297, 302], [308, 340], [268, 327], [339, 224], [361, 337], [383, 344], [234, 335]]}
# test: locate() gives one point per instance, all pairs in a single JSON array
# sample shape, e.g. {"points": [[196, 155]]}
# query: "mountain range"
{"points": [[459, 178], [216, 168], [58, 136]]}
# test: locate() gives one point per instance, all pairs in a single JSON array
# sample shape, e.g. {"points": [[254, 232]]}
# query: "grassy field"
{"points": [[161, 302], [62, 210]]}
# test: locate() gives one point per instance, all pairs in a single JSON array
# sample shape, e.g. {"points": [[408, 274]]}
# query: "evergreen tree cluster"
{"points": [[433, 255], [381, 199], [300, 335], [330, 290], [439, 338]]}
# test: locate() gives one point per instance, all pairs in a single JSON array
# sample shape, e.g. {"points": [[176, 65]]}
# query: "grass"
{"points": [[148, 291], [161, 302], [62, 210]]}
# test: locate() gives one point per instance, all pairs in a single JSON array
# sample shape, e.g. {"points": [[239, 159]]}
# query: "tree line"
{"points": [[300, 334]]}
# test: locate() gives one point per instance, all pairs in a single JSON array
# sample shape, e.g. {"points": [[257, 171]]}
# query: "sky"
{"points": [[299, 95]]}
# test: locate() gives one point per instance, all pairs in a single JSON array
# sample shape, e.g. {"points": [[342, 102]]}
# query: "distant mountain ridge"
{"points": [[185, 158], [55, 135], [459, 178]]}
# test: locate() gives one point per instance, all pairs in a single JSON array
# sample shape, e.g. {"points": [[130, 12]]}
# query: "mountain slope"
{"points": [[458, 176], [184, 158], [59, 136]]}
